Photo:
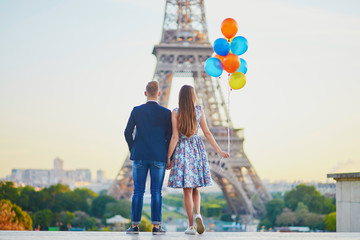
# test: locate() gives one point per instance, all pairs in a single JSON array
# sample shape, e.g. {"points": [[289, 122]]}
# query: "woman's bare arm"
{"points": [[174, 138], [210, 137]]}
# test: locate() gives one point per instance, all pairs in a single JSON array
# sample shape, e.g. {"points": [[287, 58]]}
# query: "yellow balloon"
{"points": [[237, 80]]}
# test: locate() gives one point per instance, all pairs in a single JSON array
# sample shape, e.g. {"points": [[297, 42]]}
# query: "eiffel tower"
{"points": [[182, 52]]}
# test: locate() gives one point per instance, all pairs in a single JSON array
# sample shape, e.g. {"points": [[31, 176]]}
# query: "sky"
{"points": [[71, 71]]}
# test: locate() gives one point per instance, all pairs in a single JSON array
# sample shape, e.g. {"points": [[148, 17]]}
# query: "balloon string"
{"points": [[228, 118], [228, 124]]}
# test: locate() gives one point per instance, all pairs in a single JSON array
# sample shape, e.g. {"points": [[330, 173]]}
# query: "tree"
{"points": [[301, 213], [121, 207], [53, 197], [12, 217], [9, 191], [329, 205], [286, 218], [91, 223], [301, 193], [310, 197], [266, 223], [83, 220], [79, 200], [314, 221], [80, 218], [8, 218], [43, 218], [273, 209], [330, 221], [28, 199], [99, 204], [66, 220], [23, 217], [56, 221]]}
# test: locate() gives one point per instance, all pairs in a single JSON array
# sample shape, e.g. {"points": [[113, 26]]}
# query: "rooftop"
{"points": [[353, 175]]}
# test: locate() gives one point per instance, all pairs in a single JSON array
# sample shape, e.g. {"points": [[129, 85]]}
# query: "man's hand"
{"points": [[168, 164]]}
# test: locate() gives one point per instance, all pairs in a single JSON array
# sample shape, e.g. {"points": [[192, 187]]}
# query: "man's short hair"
{"points": [[152, 88]]}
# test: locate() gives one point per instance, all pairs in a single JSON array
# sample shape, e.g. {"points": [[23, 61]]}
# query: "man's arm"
{"points": [[168, 133], [129, 130]]}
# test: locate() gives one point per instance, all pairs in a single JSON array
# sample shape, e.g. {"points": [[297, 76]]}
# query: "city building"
{"points": [[100, 176], [43, 178], [101, 183]]}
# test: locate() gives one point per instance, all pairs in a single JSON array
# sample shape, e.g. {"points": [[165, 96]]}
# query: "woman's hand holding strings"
{"points": [[224, 154]]}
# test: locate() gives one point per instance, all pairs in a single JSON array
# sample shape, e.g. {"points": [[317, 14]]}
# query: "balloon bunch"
{"points": [[227, 52]]}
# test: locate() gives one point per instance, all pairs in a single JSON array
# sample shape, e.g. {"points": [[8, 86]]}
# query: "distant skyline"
{"points": [[71, 71]]}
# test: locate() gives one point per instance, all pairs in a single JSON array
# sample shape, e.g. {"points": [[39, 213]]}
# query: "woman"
{"points": [[190, 167]]}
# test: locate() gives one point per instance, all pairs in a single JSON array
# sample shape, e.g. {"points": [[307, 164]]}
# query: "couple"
{"points": [[169, 140]]}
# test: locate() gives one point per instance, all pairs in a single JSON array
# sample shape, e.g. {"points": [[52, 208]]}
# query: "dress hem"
{"points": [[190, 186]]}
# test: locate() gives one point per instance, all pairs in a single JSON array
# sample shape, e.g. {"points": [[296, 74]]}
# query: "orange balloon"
{"points": [[229, 27], [221, 58], [231, 63]]}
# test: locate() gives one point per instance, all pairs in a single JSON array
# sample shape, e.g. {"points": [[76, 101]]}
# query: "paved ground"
{"points": [[22, 235]]}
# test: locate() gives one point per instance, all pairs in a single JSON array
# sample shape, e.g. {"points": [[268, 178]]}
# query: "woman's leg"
{"points": [[196, 199], [200, 228], [188, 202]]}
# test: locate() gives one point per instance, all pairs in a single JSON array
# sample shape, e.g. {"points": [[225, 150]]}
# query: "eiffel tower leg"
{"points": [[259, 187], [165, 79], [237, 197], [233, 209], [123, 185]]}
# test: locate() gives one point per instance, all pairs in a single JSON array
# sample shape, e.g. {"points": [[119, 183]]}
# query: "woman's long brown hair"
{"points": [[186, 115]]}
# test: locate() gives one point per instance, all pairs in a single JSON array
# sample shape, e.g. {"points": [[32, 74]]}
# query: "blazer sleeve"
{"points": [[168, 130], [129, 130]]}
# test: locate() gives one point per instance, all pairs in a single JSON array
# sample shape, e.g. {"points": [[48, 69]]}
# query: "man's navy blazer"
{"points": [[152, 125]]}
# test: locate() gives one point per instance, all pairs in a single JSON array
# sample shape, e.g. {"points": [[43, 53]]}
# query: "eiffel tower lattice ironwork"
{"points": [[182, 51]]}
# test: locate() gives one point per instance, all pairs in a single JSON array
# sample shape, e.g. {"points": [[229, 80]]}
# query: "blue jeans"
{"points": [[157, 173]]}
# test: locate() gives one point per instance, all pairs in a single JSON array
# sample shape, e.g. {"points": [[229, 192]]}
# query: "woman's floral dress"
{"points": [[190, 165]]}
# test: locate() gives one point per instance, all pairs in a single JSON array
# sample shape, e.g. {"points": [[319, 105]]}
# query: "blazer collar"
{"points": [[151, 102]]}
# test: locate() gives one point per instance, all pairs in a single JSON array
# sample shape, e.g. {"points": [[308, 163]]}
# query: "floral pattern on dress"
{"points": [[190, 165]]}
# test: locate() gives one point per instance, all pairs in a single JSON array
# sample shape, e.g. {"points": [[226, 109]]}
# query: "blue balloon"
{"points": [[213, 67], [239, 45], [221, 46], [243, 66]]}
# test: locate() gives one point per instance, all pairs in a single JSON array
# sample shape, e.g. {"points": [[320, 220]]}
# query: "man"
{"points": [[148, 150]]}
